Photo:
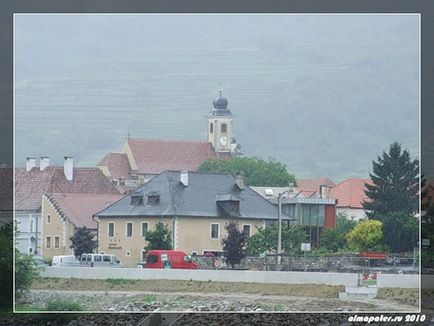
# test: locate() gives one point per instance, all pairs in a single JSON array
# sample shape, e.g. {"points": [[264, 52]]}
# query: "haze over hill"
{"points": [[323, 94]]}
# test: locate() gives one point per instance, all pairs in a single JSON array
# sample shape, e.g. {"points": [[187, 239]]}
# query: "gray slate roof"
{"points": [[199, 198]]}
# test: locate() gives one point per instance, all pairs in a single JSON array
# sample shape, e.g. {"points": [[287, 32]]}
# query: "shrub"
{"points": [[26, 272], [63, 305]]}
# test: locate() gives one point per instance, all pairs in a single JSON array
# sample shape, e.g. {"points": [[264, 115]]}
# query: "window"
{"points": [[106, 258], [211, 128], [56, 241], [89, 257], [224, 128], [111, 230], [97, 258], [48, 242], [48, 219], [246, 229], [129, 229], [145, 228], [153, 199], [215, 231], [152, 259]]}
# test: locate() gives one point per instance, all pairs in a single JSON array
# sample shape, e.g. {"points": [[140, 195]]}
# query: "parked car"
{"points": [[175, 259], [99, 260], [65, 261]]}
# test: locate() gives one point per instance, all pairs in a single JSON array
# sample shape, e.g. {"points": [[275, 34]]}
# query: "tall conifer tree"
{"points": [[395, 184]]}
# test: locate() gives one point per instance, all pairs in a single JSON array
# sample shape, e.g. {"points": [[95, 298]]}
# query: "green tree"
{"points": [[257, 172], [335, 239], [26, 272], [82, 241], [6, 265], [265, 239], [401, 232], [158, 239], [233, 244], [395, 184], [365, 236]]}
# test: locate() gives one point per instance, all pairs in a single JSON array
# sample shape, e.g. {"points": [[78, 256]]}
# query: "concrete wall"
{"points": [[347, 279], [398, 281]]}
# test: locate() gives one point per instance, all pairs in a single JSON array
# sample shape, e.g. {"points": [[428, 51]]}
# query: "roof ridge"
{"points": [[168, 140]]}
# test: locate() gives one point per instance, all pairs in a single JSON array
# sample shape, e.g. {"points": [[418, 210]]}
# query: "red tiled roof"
{"points": [[350, 192], [31, 185], [79, 208], [313, 184], [153, 156], [6, 193], [117, 164]]}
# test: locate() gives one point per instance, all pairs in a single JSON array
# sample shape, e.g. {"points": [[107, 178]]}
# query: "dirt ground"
{"points": [[305, 290], [194, 296]]}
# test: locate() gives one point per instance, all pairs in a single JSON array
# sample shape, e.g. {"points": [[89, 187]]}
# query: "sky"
{"points": [[324, 94]]}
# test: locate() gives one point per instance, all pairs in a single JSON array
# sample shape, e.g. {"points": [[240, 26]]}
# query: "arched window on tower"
{"points": [[224, 127], [211, 128]]}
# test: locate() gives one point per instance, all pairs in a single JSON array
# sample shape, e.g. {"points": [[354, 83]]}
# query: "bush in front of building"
{"points": [[26, 271], [159, 239], [82, 242], [233, 245], [366, 236], [265, 240]]}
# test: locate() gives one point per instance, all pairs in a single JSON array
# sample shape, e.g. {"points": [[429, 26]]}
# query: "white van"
{"points": [[99, 260], [65, 261]]}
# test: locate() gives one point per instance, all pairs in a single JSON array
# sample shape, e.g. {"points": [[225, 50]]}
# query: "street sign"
{"points": [[305, 247]]}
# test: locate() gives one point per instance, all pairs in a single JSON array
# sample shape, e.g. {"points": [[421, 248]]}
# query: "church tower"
{"points": [[220, 127]]}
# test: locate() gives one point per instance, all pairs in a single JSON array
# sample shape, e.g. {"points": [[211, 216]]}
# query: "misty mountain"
{"points": [[323, 94]]}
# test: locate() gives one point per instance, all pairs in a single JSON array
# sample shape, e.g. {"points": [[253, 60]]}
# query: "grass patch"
{"points": [[407, 296], [149, 298], [119, 281], [25, 307], [63, 305]]}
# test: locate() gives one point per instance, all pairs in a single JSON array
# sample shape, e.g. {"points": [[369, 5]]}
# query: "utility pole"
{"points": [[279, 236], [173, 209]]}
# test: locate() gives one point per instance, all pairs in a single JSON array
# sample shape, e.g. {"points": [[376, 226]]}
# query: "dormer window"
{"points": [[153, 198], [136, 199], [229, 203]]}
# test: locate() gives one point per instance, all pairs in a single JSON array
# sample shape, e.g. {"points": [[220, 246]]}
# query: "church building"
{"points": [[142, 159]]}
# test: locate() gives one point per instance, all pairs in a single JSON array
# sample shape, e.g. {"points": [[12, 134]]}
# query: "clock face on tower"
{"points": [[223, 140]]}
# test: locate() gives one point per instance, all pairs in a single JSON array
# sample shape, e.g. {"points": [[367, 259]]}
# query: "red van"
{"points": [[175, 259]]}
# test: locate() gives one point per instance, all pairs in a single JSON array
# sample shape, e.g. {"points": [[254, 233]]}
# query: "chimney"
{"points": [[68, 168], [31, 163], [184, 178], [239, 180], [324, 191], [44, 161]]}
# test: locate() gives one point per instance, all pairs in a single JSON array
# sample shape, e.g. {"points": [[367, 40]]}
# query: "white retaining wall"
{"points": [[398, 280], [347, 279]]}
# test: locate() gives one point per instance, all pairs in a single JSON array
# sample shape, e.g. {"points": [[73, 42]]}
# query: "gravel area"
{"points": [[138, 301]]}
